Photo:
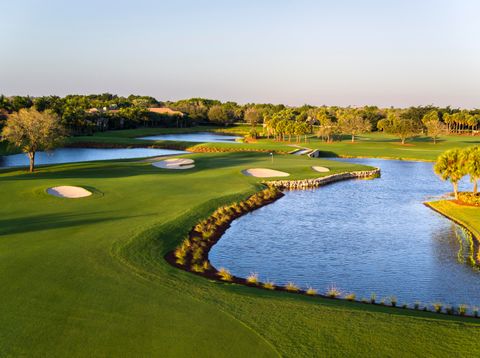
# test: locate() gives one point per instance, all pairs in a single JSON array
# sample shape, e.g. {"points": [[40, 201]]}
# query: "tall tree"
{"points": [[253, 116], [471, 161], [395, 124], [351, 121], [33, 131], [449, 166], [434, 126]]}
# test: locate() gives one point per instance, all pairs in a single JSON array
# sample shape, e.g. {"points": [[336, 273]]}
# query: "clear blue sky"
{"points": [[397, 52]]}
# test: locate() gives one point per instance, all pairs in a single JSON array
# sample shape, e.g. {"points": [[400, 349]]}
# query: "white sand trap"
{"points": [[70, 192], [321, 169], [175, 163], [264, 173]]}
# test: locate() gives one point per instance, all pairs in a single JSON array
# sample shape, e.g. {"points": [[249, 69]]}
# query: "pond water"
{"points": [[200, 137], [363, 237], [71, 155]]}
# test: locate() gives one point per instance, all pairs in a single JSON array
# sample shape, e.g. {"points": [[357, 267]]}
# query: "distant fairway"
{"points": [[86, 277], [372, 145]]}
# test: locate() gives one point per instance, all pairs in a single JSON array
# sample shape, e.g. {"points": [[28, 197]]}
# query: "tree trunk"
{"points": [[31, 156], [403, 140], [434, 140], [475, 186], [353, 138], [455, 189]]}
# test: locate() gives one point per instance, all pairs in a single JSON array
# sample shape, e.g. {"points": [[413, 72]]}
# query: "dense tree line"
{"points": [[85, 114]]}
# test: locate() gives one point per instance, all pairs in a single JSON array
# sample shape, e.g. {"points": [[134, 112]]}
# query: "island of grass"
{"points": [[88, 278]]}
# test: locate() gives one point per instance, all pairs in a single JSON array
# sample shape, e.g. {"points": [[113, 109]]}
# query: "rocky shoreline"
{"points": [[317, 182]]}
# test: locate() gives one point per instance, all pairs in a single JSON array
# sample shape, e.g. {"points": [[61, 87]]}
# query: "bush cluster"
{"points": [[192, 253], [469, 198]]}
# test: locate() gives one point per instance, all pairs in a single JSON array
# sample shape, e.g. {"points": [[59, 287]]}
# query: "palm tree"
{"points": [[471, 160], [449, 166]]}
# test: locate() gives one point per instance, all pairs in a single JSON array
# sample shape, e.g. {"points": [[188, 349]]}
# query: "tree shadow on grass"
{"points": [[34, 223]]}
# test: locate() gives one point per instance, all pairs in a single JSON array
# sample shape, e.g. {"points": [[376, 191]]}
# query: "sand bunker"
{"points": [[70, 192], [321, 169], [175, 163], [264, 173]]}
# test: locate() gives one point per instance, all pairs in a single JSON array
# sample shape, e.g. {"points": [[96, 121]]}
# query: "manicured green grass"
{"points": [[372, 145], [87, 277], [469, 216]]}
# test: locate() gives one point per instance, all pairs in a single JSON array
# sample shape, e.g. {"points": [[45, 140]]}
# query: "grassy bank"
{"points": [[87, 277], [468, 216]]}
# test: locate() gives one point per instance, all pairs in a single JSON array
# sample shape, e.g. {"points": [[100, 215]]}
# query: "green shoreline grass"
{"points": [[467, 216], [87, 277]]}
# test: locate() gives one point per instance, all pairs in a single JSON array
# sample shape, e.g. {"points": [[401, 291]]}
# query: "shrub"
{"points": [[364, 300], [462, 309], [224, 274], [291, 287], [252, 278], [450, 310], [475, 311], [180, 253], [206, 265], [469, 198], [416, 305], [350, 297], [373, 298], [269, 285], [404, 305], [333, 292], [197, 268], [437, 307], [197, 254], [311, 291], [180, 261], [393, 301]]}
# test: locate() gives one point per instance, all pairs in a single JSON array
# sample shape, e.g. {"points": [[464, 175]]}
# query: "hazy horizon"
{"points": [[399, 54]]}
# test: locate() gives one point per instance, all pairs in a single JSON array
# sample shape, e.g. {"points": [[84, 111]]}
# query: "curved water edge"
{"points": [[474, 252], [195, 137], [352, 248], [75, 155]]}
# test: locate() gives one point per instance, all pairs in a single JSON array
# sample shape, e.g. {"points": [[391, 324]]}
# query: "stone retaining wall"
{"points": [[316, 182]]}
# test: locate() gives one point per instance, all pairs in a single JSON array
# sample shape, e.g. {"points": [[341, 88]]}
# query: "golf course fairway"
{"points": [[87, 277]]}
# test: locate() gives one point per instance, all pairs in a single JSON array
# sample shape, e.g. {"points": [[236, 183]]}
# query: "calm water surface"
{"points": [[361, 236], [71, 155], [195, 137]]}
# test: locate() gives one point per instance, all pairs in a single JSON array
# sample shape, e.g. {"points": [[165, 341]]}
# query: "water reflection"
{"points": [[362, 236], [71, 155]]}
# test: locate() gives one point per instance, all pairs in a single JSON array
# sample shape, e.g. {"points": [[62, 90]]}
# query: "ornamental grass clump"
{"points": [[462, 309], [393, 301], [197, 268], [252, 278], [333, 292], [311, 291], [269, 285], [437, 307], [206, 265], [350, 297], [224, 274], [291, 287], [475, 312]]}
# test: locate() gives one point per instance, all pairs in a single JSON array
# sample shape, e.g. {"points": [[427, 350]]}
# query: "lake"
{"points": [[199, 137], [71, 155], [360, 236]]}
